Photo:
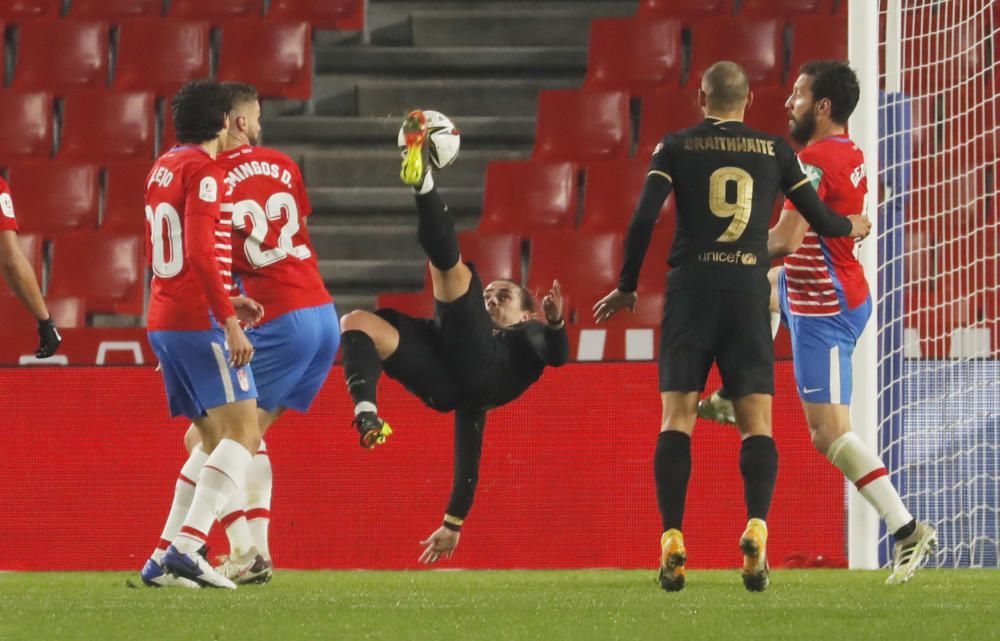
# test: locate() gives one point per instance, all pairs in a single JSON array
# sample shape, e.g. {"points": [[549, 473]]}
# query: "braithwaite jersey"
{"points": [[183, 183], [7, 221], [272, 254], [824, 277]]}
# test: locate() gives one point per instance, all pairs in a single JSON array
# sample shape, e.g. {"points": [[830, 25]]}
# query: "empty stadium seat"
{"points": [[124, 201], [611, 193], [686, 10], [757, 44], [817, 38], [68, 312], [216, 10], [25, 125], [416, 304], [768, 113], [53, 196], [663, 111], [785, 8], [19, 11], [161, 55], [61, 55], [634, 54], [106, 270], [342, 15], [115, 9], [100, 125], [586, 265], [529, 195], [274, 56], [582, 125], [496, 256]]}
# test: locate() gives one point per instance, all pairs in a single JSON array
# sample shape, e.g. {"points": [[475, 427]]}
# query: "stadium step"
{"points": [[386, 202], [372, 275], [369, 242], [478, 132], [441, 61]]}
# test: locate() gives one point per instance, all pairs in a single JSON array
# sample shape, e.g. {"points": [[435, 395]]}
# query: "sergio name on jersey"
{"points": [[272, 253], [824, 277]]}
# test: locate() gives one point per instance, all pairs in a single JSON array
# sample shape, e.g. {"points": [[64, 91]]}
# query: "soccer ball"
{"points": [[443, 139]]}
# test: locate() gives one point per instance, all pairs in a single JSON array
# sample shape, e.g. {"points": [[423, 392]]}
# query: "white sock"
{"points": [[365, 406], [258, 499], [234, 520], [183, 494], [775, 324], [860, 465], [220, 477]]}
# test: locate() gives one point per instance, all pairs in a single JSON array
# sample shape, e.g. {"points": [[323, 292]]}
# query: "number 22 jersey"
{"points": [[272, 254]]}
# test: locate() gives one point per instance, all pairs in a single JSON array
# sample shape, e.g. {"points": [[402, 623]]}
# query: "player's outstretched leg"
{"points": [[367, 340], [909, 553]]}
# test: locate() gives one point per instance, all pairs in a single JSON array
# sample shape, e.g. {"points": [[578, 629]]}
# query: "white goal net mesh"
{"points": [[939, 338]]}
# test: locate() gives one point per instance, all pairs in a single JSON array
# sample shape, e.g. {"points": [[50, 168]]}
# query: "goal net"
{"points": [[938, 332]]}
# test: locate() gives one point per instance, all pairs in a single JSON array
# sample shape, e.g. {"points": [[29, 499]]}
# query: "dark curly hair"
{"points": [[837, 82], [199, 110]]}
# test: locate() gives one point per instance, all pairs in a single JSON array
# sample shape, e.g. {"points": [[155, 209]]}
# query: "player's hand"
{"points": [[48, 339], [240, 348], [861, 226], [248, 310], [441, 543], [612, 303], [552, 304]]}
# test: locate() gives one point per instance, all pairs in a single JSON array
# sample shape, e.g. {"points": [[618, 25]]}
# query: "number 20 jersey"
{"points": [[273, 256]]}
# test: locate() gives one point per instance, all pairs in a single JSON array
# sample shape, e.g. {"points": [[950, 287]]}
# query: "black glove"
{"points": [[49, 338]]}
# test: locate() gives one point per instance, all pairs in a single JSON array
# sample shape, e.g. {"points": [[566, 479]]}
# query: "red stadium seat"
{"points": [[496, 256], [218, 11], [274, 56], [653, 276], [68, 312], [25, 125], [19, 11], [124, 202], [612, 192], [768, 113], [582, 125], [586, 265], [817, 38], [686, 10], [529, 195], [115, 9], [663, 111], [102, 125], [61, 55], [343, 15], [161, 55], [634, 54], [54, 196], [104, 269], [755, 43], [785, 8], [416, 304]]}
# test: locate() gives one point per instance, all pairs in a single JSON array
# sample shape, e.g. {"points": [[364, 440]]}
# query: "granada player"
{"points": [[297, 341], [194, 329], [825, 302], [20, 276]]}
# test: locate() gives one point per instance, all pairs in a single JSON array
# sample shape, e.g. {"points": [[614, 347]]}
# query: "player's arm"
{"points": [[786, 237], [656, 188], [556, 342], [799, 190], [469, 426], [20, 276]]}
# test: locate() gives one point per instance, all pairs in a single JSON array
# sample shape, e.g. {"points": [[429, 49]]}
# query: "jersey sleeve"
{"points": [[657, 187], [202, 201], [204, 191], [818, 178], [793, 175], [7, 220], [305, 206]]}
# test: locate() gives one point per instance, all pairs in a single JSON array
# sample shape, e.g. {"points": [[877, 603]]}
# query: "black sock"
{"points": [[759, 467], [362, 366], [436, 231], [905, 531], [672, 469]]}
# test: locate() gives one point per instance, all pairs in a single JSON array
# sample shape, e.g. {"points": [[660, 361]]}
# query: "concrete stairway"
{"points": [[480, 62]]}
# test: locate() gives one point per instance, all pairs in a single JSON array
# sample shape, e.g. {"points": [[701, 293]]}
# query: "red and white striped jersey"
{"points": [[7, 220], [824, 277]]}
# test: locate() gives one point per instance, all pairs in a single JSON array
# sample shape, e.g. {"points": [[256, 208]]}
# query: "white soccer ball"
{"points": [[442, 136]]}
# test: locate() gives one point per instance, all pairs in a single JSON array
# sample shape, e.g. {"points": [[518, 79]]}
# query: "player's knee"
{"points": [[357, 320], [191, 438]]}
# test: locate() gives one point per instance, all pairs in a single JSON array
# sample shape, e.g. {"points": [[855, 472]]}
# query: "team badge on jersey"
{"points": [[244, 380], [208, 189], [7, 205]]}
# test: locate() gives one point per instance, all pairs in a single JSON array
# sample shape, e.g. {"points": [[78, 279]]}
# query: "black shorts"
{"points": [[730, 327], [447, 361]]}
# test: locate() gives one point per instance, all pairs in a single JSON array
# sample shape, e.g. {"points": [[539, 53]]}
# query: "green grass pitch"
{"points": [[471, 606]]}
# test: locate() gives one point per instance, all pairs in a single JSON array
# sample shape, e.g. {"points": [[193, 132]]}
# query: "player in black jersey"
{"points": [[473, 356], [725, 177]]}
